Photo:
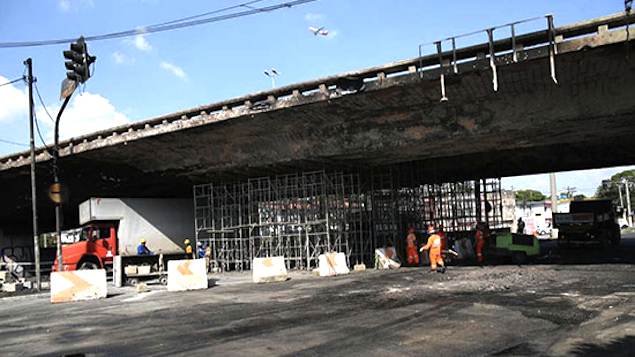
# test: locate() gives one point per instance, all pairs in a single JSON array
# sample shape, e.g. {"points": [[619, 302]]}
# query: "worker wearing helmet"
{"points": [[200, 250], [142, 249], [434, 246], [479, 238], [412, 257], [189, 252]]}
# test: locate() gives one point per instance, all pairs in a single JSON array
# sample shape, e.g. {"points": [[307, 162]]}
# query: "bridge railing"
{"points": [[431, 66]]}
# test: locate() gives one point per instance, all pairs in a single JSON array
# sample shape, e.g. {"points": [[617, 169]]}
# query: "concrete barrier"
{"points": [[331, 264], [267, 270], [78, 285], [383, 262], [189, 274]]}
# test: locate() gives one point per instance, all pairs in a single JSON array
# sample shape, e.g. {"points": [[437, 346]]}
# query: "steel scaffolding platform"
{"points": [[300, 216]]}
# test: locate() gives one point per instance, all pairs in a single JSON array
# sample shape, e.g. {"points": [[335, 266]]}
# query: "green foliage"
{"points": [[579, 197], [609, 188], [529, 195]]}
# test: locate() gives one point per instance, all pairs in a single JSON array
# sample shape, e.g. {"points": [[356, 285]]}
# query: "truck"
{"points": [[588, 222], [115, 226]]}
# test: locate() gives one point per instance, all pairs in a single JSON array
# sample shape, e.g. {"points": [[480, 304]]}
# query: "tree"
{"points": [[609, 188], [529, 195], [579, 197]]}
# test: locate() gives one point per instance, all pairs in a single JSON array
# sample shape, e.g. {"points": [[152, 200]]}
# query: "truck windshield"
{"points": [[93, 233]]}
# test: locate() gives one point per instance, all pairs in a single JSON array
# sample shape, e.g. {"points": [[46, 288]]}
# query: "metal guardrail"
{"points": [[423, 63]]}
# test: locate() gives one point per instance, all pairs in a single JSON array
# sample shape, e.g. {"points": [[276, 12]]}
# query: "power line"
{"points": [[37, 128], [37, 91], [167, 26], [12, 142], [246, 4], [13, 81]]}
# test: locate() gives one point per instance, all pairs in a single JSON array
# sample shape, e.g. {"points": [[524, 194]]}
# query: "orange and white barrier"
{"points": [[267, 270], [331, 264], [189, 274], [78, 285]]}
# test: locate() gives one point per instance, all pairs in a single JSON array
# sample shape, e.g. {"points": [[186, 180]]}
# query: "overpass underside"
{"points": [[396, 124]]}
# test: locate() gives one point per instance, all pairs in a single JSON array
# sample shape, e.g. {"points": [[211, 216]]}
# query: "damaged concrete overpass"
{"points": [[385, 117]]}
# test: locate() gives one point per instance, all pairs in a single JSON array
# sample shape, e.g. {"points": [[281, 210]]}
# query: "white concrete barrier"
{"points": [[331, 264], [78, 285], [383, 262], [189, 274], [267, 270]]}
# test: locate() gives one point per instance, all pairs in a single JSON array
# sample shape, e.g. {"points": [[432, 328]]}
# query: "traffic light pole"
{"points": [[36, 243], [56, 184]]}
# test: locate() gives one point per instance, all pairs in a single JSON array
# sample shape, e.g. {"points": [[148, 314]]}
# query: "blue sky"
{"points": [[150, 75]]}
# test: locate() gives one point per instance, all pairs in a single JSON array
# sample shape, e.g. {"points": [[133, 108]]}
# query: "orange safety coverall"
{"points": [[480, 244], [434, 245], [411, 249]]}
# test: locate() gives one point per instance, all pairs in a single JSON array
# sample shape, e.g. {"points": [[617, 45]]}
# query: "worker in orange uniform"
{"points": [[434, 245], [480, 242], [412, 257]]}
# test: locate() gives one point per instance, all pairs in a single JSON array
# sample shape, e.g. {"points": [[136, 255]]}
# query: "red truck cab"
{"points": [[95, 249]]}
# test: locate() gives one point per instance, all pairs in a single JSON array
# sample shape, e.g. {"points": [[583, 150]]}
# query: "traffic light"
{"points": [[78, 61]]}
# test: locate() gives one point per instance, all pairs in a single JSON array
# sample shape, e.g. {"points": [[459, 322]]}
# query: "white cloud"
{"points": [[65, 5], [86, 113], [332, 34], [174, 69], [312, 17], [141, 43], [121, 58], [14, 102]]}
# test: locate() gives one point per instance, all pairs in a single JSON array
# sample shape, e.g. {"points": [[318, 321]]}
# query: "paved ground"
{"points": [[578, 304]]}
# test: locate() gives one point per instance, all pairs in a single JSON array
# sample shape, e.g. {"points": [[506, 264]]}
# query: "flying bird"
{"points": [[319, 31]]}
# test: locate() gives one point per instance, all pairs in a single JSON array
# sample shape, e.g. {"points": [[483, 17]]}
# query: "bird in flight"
{"points": [[319, 31]]}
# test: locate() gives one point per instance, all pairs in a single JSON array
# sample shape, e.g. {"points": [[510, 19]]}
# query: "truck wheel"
{"points": [[519, 258], [132, 281], [88, 266], [163, 280]]}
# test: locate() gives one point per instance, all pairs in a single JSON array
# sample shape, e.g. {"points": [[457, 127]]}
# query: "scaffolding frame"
{"points": [[300, 216]]}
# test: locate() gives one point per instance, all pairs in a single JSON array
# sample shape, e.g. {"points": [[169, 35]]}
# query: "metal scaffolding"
{"points": [[301, 216]]}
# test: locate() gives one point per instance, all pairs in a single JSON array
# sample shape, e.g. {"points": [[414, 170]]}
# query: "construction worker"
{"points": [[520, 226], [189, 252], [200, 250], [142, 249], [480, 242], [434, 246], [412, 257]]}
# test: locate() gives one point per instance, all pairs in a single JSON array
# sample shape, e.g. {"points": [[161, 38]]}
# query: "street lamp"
{"points": [[272, 73]]}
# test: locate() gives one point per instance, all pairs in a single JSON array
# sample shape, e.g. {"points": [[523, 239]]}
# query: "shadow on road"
{"points": [[624, 346]]}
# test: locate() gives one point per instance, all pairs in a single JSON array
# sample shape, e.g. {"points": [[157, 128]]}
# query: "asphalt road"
{"points": [[573, 304]]}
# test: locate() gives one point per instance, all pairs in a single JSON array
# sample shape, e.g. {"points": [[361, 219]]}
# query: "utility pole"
{"points": [[554, 199], [36, 243], [629, 216]]}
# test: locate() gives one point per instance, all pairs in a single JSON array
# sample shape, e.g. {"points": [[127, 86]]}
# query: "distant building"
{"points": [[537, 215]]}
